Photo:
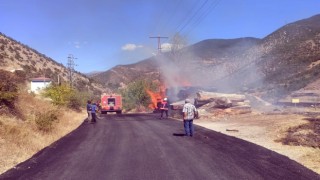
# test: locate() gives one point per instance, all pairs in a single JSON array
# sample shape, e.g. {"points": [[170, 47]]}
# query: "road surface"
{"points": [[142, 147]]}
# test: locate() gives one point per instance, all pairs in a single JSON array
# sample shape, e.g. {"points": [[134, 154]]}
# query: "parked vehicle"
{"points": [[111, 103]]}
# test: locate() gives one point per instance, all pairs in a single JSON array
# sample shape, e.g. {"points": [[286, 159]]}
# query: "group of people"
{"points": [[92, 108], [189, 112]]}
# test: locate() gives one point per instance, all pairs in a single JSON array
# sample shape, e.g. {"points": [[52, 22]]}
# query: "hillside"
{"points": [[222, 48], [284, 61], [123, 74], [294, 55], [205, 53], [17, 56]]}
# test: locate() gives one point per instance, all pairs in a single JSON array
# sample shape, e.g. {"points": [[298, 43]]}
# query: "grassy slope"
{"points": [[20, 139]]}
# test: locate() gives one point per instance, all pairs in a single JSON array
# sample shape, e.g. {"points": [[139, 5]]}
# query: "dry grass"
{"points": [[266, 130], [20, 138]]}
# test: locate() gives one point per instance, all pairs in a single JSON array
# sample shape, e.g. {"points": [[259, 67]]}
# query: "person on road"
{"points": [[189, 111], [93, 112], [89, 110], [164, 108]]}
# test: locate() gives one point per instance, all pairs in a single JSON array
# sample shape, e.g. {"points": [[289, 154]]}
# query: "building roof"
{"points": [[40, 79]]}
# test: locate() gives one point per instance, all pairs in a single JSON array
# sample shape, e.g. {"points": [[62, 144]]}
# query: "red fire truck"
{"points": [[111, 103]]}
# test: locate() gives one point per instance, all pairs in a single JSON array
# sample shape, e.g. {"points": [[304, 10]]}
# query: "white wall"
{"points": [[36, 87]]}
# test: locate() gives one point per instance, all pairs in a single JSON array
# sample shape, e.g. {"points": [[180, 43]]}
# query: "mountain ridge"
{"points": [[273, 63]]}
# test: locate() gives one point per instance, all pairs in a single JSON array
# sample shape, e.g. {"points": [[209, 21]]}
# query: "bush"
{"points": [[45, 120], [8, 89], [75, 102], [135, 95], [64, 95], [60, 94]]}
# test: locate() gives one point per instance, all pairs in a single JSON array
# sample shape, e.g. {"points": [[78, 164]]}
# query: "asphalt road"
{"points": [[142, 147]]}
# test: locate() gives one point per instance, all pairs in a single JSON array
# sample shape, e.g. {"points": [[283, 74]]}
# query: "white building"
{"points": [[37, 84]]}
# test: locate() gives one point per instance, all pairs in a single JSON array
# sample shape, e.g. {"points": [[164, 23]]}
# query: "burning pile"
{"points": [[155, 99]]}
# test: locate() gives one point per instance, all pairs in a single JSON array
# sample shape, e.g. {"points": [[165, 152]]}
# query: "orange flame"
{"points": [[155, 97]]}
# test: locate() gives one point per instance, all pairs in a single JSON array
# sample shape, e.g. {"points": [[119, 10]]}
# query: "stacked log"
{"points": [[206, 97], [221, 104], [211, 104]]}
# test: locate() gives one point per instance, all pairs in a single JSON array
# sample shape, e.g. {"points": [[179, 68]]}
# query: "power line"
{"points": [[194, 15], [213, 5], [189, 15]]}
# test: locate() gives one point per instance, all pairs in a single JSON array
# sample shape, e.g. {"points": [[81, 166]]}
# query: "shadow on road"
{"points": [[178, 134]]}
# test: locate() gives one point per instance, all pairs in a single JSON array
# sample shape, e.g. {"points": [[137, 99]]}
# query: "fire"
{"points": [[157, 97], [154, 98]]}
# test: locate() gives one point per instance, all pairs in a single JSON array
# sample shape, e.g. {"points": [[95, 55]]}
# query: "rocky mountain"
{"points": [[284, 61], [17, 56]]}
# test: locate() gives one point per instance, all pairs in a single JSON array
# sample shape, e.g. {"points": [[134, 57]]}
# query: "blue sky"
{"points": [[104, 33]]}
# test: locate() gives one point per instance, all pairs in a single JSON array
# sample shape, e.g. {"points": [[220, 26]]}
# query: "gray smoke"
{"points": [[227, 73]]}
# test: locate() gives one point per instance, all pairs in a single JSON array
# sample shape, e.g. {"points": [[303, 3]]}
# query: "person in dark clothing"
{"points": [[93, 112], [164, 108], [89, 110], [159, 104]]}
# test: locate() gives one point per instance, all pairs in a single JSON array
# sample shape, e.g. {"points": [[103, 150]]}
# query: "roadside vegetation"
{"points": [[136, 97], [30, 122]]}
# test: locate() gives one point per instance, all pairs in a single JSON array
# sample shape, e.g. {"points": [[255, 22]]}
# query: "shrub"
{"points": [[8, 89], [60, 94], [45, 120], [17, 56], [135, 95], [75, 102], [21, 75], [64, 95]]}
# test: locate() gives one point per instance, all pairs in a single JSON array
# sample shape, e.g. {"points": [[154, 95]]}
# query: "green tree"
{"points": [[64, 95], [60, 95], [135, 96]]}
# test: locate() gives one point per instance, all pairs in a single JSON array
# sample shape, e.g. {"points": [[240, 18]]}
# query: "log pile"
{"points": [[211, 104], [220, 104], [226, 100]]}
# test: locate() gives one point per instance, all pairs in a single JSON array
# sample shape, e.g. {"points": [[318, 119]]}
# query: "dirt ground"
{"points": [[267, 130]]}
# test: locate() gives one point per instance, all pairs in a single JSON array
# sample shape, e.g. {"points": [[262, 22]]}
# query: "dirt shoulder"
{"points": [[266, 130]]}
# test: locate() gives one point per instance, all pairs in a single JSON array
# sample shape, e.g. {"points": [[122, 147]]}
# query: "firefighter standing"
{"points": [[164, 108]]}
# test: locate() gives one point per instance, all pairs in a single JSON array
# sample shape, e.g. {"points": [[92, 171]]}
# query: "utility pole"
{"points": [[71, 65], [161, 91], [159, 42]]}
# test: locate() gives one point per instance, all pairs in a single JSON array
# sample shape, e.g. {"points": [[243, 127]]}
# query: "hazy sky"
{"points": [[104, 33]]}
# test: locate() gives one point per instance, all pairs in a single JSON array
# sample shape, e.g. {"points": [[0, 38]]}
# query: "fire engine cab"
{"points": [[111, 103]]}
